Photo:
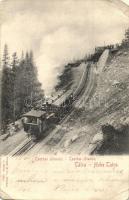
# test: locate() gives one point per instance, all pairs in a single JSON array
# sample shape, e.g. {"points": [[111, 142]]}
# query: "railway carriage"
{"points": [[36, 122], [64, 104]]}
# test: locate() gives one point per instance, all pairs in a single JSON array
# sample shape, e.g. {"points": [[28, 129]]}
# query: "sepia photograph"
{"points": [[64, 77], [64, 90]]}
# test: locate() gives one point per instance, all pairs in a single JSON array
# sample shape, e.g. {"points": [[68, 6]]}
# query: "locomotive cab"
{"points": [[34, 123]]}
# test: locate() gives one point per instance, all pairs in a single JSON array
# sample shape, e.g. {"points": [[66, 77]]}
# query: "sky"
{"points": [[126, 1], [59, 31]]}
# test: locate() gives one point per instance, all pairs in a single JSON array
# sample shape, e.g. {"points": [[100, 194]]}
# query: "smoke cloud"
{"points": [[60, 31]]}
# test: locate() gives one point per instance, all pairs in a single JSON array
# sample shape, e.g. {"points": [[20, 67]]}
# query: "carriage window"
{"points": [[32, 120]]}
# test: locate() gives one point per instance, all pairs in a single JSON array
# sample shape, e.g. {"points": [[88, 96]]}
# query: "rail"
{"points": [[25, 147]]}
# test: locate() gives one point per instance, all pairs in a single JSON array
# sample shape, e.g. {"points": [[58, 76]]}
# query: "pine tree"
{"points": [[20, 86], [5, 57], [36, 85], [33, 86], [125, 41], [127, 35], [28, 86], [15, 72], [6, 111], [22, 56]]}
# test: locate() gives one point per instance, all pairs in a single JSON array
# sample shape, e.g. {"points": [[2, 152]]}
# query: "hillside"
{"points": [[109, 106], [110, 102]]}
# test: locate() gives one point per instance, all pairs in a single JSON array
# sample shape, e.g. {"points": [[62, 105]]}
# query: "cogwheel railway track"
{"points": [[23, 149]]}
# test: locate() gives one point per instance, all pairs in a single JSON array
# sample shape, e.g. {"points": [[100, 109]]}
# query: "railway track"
{"points": [[42, 146], [78, 104], [23, 149]]}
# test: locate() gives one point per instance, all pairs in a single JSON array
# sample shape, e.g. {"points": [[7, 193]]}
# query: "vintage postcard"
{"points": [[64, 99]]}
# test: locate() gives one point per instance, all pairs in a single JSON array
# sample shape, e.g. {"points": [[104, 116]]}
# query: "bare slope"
{"points": [[109, 104]]}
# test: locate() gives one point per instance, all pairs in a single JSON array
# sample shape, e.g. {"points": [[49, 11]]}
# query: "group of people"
{"points": [[12, 128]]}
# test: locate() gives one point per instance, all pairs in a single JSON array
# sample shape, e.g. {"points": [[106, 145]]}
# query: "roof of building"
{"points": [[34, 113]]}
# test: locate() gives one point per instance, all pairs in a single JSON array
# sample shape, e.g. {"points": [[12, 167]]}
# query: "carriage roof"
{"points": [[55, 96], [62, 99], [34, 113]]}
